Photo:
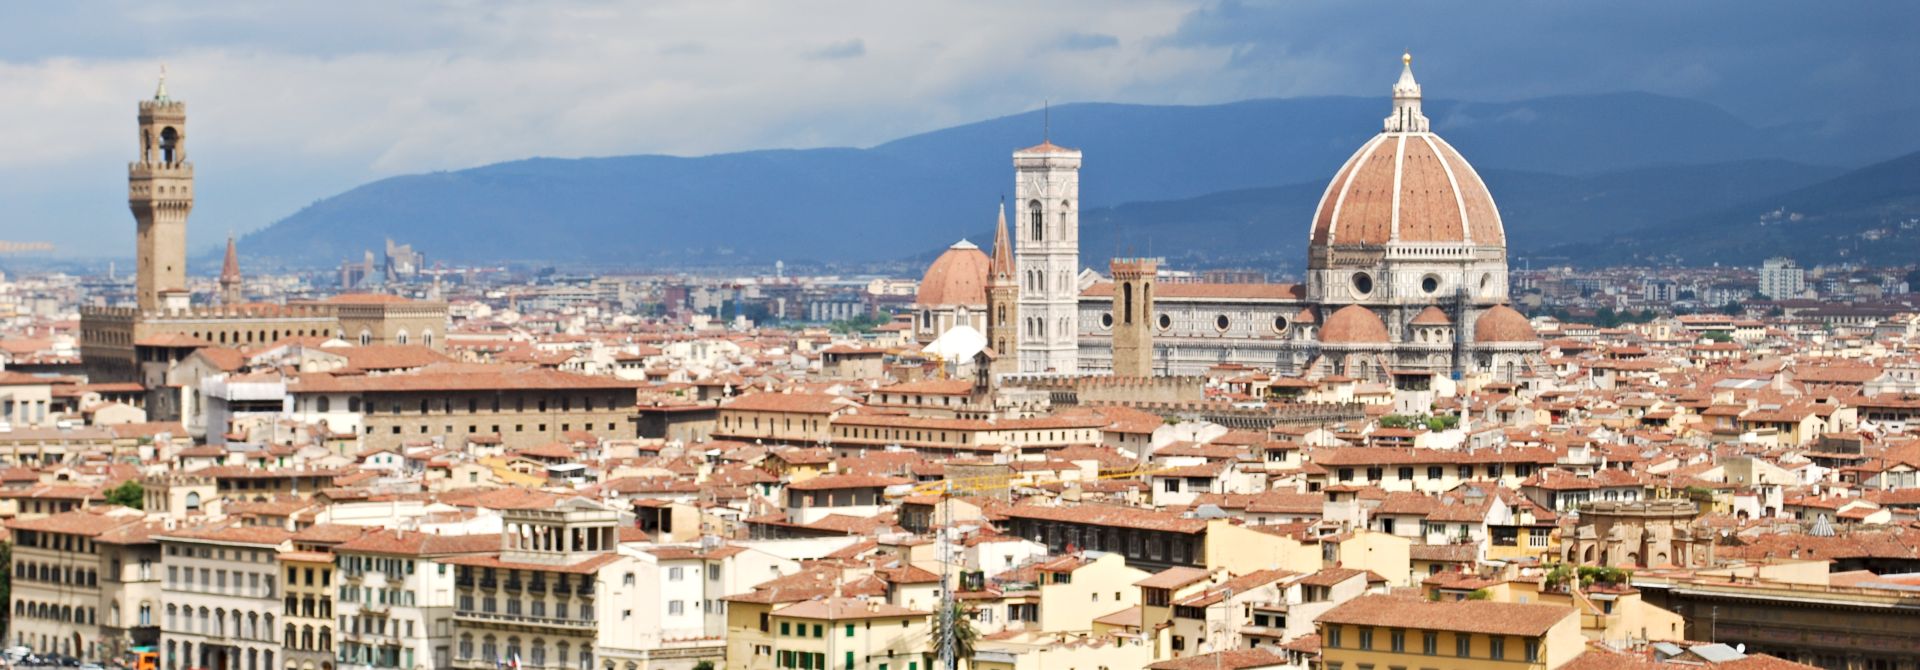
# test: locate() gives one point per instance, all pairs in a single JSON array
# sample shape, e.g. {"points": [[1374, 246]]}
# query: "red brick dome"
{"points": [[957, 277], [1503, 324], [1354, 324], [1407, 185]]}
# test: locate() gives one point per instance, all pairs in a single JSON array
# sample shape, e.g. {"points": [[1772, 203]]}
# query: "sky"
{"points": [[291, 102]]}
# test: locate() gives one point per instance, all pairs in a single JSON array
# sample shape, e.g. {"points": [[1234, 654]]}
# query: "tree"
{"points": [[703, 665], [129, 494], [963, 634], [1731, 309]]}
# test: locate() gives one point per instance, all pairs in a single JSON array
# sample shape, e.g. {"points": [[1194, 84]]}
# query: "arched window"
{"points": [[539, 652], [322, 405], [466, 646], [1037, 220], [366, 337], [426, 338], [146, 614], [193, 503], [169, 143], [1126, 299], [400, 337]]}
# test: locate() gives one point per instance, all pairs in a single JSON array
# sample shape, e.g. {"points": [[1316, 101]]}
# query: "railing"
{"points": [[579, 624]]}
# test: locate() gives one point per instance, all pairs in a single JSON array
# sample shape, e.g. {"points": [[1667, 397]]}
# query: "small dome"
{"points": [[1306, 315], [1431, 316], [1503, 324], [957, 277], [1354, 324]]}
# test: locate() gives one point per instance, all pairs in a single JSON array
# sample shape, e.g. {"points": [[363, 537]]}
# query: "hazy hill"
{"points": [[1870, 215], [924, 191]]}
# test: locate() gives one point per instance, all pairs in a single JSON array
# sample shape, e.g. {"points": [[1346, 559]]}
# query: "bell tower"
{"points": [[1003, 301], [1046, 207], [1133, 315], [160, 193]]}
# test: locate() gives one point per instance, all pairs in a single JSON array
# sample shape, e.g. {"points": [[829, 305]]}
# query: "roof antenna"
{"points": [[1046, 121]]}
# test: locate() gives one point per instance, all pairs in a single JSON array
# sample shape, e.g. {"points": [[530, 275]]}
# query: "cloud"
{"points": [[1087, 42], [292, 102], [853, 48]]}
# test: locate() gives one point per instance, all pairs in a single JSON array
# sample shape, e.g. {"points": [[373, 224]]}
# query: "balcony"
{"points": [[537, 586], [513, 585], [524, 620]]}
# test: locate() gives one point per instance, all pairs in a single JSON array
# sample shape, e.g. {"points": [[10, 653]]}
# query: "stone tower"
{"points": [[160, 193], [230, 276], [1003, 301], [1133, 316], [1046, 205]]}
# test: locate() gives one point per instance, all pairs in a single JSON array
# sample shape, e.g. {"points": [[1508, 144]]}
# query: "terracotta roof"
{"points": [[365, 299], [1047, 147], [1236, 659], [1470, 616], [585, 566], [1501, 323], [415, 543], [957, 277], [1173, 578], [1354, 324], [1431, 316], [1110, 515], [843, 609], [799, 403], [1410, 188]]}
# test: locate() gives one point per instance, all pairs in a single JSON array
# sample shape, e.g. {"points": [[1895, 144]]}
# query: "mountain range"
{"points": [[1216, 184]]}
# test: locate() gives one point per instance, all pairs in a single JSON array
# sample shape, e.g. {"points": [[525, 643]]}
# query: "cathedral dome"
{"points": [[1354, 324], [1502, 324], [957, 277], [1407, 186]]}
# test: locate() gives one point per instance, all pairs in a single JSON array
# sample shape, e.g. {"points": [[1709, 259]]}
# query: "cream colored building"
{"points": [[1401, 632]]}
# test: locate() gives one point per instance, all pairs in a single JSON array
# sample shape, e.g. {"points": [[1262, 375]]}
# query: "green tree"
{"points": [[129, 494], [703, 665], [963, 634], [1732, 309], [1718, 336]]}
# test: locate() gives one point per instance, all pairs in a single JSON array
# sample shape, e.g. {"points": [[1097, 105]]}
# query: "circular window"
{"points": [[1221, 322], [1166, 322], [1279, 324], [1430, 283], [1362, 283], [1486, 282], [1106, 320]]}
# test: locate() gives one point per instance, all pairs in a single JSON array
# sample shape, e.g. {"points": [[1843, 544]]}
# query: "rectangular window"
{"points": [[1533, 651], [1497, 647], [784, 630], [849, 630], [1366, 639], [1430, 643], [1463, 645], [1397, 641], [1333, 636]]}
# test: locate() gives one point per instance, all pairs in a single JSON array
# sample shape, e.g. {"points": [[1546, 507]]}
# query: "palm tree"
{"points": [[963, 634]]}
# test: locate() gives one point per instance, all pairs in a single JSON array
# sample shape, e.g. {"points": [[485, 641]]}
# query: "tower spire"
{"points": [[160, 92], [1001, 265], [230, 275], [1407, 117]]}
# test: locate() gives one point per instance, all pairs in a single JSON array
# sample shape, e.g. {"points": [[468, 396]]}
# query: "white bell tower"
{"points": [[1047, 207]]}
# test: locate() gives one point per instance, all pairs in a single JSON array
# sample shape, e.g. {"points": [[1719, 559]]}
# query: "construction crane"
{"points": [[947, 489]]}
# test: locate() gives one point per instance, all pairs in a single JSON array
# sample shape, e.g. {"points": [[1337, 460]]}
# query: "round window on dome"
{"points": [[1106, 320], [1166, 322], [1486, 282], [1429, 284], [1279, 324], [1222, 322], [1362, 284]]}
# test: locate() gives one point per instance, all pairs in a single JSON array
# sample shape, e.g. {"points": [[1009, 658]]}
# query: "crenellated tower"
{"points": [[160, 193]]}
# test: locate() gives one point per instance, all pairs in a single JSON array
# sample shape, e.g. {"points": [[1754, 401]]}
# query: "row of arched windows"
{"points": [[67, 613], [536, 655], [59, 574], [219, 622], [309, 638]]}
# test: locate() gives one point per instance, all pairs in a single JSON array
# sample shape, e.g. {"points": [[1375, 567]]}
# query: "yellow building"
{"points": [[1398, 632], [1248, 549], [845, 634], [1075, 591]]}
